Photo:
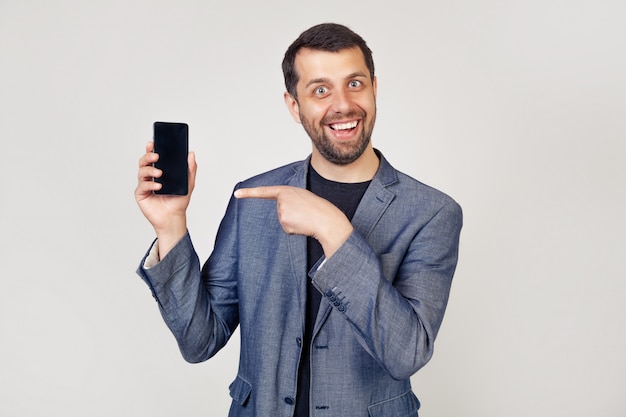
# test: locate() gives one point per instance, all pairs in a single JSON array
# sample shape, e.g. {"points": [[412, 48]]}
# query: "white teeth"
{"points": [[344, 126]]}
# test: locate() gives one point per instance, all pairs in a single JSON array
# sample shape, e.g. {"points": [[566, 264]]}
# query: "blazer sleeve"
{"points": [[396, 318], [201, 313]]}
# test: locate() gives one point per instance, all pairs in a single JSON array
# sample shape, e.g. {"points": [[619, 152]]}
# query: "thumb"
{"points": [[193, 168]]}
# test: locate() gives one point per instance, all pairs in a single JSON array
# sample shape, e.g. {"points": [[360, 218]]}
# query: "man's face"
{"points": [[336, 103]]}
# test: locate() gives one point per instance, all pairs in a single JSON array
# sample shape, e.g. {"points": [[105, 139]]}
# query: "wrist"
{"points": [[170, 234], [335, 237]]}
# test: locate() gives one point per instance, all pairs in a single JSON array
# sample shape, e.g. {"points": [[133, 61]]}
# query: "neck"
{"points": [[363, 169]]}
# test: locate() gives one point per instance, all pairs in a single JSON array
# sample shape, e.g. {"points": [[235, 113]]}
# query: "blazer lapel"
{"points": [[298, 244], [373, 205], [376, 199]]}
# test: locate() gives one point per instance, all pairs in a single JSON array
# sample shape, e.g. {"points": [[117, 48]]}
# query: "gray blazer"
{"points": [[386, 291]]}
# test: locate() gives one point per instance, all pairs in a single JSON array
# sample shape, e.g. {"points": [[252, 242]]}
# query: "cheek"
{"points": [[312, 113], [370, 108]]}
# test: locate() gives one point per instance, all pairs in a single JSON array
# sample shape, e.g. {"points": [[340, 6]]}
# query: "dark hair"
{"points": [[330, 37]]}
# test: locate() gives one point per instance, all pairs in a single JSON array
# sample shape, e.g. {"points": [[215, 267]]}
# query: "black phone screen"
{"points": [[171, 142]]}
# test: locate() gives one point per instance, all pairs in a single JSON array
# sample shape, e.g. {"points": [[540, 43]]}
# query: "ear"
{"points": [[292, 106], [375, 85]]}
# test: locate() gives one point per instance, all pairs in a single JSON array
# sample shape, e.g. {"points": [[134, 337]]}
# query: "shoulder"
{"points": [[413, 193], [431, 201], [419, 190]]}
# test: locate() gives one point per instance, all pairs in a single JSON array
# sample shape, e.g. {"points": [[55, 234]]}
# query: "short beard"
{"points": [[339, 154]]}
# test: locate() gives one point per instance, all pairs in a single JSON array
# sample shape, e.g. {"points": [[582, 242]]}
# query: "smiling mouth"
{"points": [[344, 126]]}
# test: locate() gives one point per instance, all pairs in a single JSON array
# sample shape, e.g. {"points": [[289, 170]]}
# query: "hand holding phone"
{"points": [[166, 213], [171, 142]]}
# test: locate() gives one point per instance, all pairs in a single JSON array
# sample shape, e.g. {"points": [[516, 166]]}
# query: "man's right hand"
{"points": [[166, 213]]}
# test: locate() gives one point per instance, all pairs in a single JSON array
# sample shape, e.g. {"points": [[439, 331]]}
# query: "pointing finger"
{"points": [[269, 192]]}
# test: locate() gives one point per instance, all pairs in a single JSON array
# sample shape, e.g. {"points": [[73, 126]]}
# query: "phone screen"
{"points": [[171, 142]]}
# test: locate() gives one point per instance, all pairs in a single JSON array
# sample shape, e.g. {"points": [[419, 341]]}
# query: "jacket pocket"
{"points": [[240, 391], [405, 405]]}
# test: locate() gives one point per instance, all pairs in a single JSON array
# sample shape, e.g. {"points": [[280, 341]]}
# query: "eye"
{"points": [[321, 90], [354, 84]]}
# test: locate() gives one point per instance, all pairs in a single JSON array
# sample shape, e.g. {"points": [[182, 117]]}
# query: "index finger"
{"points": [[269, 192]]}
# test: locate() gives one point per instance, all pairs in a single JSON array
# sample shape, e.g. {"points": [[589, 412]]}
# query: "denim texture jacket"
{"points": [[386, 290]]}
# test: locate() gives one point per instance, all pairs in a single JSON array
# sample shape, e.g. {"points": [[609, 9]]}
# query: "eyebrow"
{"points": [[326, 80]]}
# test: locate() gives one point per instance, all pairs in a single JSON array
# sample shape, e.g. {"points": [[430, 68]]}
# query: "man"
{"points": [[337, 268]]}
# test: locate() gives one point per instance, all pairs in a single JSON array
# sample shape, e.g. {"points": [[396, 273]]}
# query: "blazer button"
{"points": [[341, 308], [289, 400], [329, 293]]}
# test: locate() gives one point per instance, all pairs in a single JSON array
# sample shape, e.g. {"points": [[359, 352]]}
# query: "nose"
{"points": [[341, 101]]}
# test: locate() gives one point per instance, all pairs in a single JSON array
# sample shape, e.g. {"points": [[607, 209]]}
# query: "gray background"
{"points": [[515, 108]]}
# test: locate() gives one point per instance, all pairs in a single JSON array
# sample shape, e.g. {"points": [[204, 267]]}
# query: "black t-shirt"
{"points": [[346, 196]]}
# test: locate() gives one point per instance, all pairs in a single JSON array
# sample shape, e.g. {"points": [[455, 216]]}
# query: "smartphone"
{"points": [[171, 142]]}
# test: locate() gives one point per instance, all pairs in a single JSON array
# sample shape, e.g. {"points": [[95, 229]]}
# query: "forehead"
{"points": [[314, 64]]}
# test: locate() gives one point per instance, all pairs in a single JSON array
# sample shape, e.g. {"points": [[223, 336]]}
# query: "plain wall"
{"points": [[515, 108]]}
